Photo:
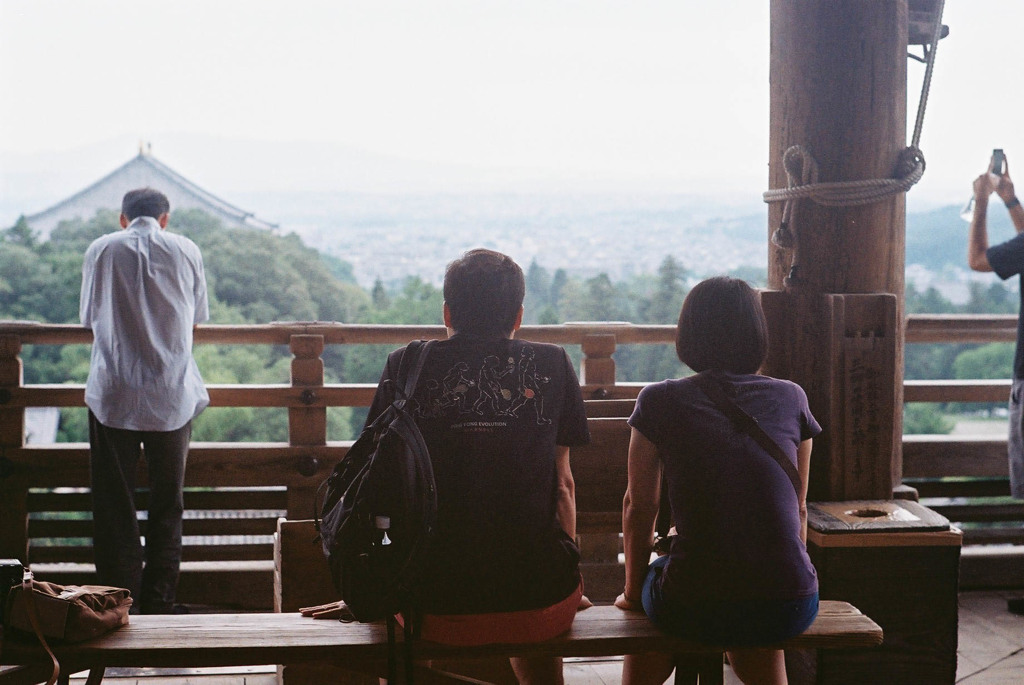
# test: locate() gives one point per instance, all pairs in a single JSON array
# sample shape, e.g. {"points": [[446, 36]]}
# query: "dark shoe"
{"points": [[1016, 606]]}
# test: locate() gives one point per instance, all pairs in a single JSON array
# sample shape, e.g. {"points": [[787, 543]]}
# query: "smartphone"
{"points": [[998, 158]]}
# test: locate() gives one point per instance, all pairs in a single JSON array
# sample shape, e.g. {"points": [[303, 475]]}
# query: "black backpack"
{"points": [[379, 507]]}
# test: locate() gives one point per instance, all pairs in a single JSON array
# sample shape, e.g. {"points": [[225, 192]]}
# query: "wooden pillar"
{"points": [[13, 489], [598, 366], [12, 419], [838, 88], [307, 425], [599, 549]]}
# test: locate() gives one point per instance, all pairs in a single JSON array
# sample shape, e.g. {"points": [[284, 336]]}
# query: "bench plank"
{"points": [[200, 640]]}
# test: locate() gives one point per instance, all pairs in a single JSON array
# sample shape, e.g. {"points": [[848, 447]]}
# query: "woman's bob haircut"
{"points": [[722, 326]]}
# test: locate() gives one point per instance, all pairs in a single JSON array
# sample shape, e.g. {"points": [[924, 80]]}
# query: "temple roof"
{"points": [[142, 171]]}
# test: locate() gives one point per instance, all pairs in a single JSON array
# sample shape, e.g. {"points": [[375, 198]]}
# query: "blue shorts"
{"points": [[742, 623]]}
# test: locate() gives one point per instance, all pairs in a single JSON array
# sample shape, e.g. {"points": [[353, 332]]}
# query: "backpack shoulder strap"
{"points": [[746, 423], [409, 369]]}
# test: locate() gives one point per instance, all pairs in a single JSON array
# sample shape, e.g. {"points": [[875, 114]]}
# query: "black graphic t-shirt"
{"points": [[492, 412]]}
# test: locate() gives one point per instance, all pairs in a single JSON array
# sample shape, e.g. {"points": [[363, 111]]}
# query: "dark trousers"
{"points": [[114, 460]]}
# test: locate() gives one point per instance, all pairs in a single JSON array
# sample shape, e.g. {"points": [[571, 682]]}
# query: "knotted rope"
{"points": [[802, 171]]}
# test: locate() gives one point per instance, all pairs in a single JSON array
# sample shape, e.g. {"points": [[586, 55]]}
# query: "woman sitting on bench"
{"points": [[737, 574]]}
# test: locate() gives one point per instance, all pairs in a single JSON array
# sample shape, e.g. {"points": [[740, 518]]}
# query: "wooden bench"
{"points": [[200, 640], [301, 578]]}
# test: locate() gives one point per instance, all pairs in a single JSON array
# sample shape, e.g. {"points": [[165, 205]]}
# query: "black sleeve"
{"points": [[1007, 259], [572, 424]]}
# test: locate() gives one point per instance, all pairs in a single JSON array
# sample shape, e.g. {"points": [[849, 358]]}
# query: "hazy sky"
{"points": [[670, 94]]}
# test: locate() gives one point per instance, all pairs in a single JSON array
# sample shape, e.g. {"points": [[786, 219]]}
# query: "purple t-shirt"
{"points": [[735, 509]]}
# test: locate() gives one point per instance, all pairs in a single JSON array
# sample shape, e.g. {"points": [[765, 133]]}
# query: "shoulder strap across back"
{"points": [[746, 423]]}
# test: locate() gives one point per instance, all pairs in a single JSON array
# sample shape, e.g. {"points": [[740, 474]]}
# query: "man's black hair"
{"points": [[484, 291], [144, 202]]}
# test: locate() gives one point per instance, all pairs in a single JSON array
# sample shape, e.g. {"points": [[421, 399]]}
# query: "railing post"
{"points": [[598, 367], [307, 426], [599, 549], [13, 490]]}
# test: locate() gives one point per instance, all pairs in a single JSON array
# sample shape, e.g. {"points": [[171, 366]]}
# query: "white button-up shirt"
{"points": [[143, 289]]}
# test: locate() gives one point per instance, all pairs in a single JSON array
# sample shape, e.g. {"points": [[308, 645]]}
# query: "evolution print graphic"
{"points": [[499, 388]]}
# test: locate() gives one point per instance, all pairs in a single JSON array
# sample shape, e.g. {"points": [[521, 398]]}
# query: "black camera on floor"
{"points": [[11, 572]]}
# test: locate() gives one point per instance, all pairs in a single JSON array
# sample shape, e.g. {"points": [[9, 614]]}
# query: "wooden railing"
{"points": [[237, 490], [964, 477]]}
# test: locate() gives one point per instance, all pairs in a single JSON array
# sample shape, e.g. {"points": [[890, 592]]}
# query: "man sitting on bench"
{"points": [[503, 563]]}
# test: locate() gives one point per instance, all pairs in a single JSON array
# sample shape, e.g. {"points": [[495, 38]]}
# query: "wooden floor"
{"points": [[991, 652]]}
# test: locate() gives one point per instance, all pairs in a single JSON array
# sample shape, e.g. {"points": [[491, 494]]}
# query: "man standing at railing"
{"points": [[143, 292], [1005, 259]]}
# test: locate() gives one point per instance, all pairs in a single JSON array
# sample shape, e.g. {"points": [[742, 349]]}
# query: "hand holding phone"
{"points": [[998, 160]]}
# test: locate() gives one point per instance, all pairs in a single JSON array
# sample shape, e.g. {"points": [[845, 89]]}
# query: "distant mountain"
{"points": [[938, 237], [394, 217], [230, 167]]}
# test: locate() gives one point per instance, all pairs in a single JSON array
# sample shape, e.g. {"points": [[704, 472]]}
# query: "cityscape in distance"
{"points": [[391, 237], [398, 218]]}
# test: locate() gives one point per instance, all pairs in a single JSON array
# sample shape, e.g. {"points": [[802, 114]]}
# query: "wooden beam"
{"points": [[209, 464], [572, 333], [938, 456], [956, 391], [961, 328]]}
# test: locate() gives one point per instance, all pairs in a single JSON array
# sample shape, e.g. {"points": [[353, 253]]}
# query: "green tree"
{"points": [[538, 292], [76, 235], [379, 296], [929, 361], [931, 301], [990, 361], [548, 316], [596, 300], [20, 234], [660, 306], [26, 283], [991, 299], [667, 299], [559, 281], [419, 302], [921, 418]]}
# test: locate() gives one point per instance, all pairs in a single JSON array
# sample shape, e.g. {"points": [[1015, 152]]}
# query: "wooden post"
{"points": [[599, 549], [306, 425], [838, 88], [12, 419], [13, 489], [848, 379], [598, 367]]}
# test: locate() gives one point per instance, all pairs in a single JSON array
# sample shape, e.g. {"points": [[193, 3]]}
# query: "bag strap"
{"points": [[414, 357], [746, 423], [29, 595]]}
